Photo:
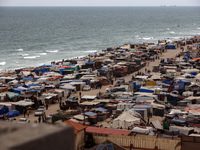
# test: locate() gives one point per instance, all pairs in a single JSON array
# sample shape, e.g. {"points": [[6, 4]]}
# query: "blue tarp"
{"points": [[101, 109], [26, 79], [136, 86], [90, 114], [187, 55], [65, 82], [170, 47], [13, 113], [43, 70], [32, 85], [89, 63], [18, 90], [181, 85], [3, 109], [181, 121], [46, 65], [104, 69], [146, 91], [193, 73], [168, 82], [18, 85], [60, 70]]}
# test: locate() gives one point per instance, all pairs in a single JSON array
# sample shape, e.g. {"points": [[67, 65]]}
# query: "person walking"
{"points": [[24, 111], [47, 106], [28, 112], [39, 119]]}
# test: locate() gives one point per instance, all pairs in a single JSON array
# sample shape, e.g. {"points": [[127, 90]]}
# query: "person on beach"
{"points": [[47, 106], [39, 119], [148, 64], [28, 112], [24, 111]]}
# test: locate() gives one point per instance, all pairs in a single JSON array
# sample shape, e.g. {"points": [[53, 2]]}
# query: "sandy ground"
{"points": [[53, 108]]}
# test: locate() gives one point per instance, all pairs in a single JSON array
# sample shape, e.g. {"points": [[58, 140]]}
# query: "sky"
{"points": [[99, 2]]}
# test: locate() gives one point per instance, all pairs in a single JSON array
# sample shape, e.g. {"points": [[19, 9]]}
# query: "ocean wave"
{"points": [[172, 32], [198, 28], [92, 51], [147, 38], [167, 28], [2, 63], [24, 54], [31, 57], [19, 50], [137, 36], [52, 51], [42, 53]]}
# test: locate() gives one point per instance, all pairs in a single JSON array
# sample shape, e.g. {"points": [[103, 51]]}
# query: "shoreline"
{"points": [[92, 53]]}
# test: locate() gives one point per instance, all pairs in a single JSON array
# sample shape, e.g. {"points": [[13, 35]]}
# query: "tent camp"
{"points": [[125, 120]]}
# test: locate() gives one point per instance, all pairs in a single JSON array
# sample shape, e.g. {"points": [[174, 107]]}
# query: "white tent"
{"points": [[146, 130], [68, 86], [125, 120]]}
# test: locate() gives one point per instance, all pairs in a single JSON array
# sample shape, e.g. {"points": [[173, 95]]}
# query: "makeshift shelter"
{"points": [[3, 109], [13, 113], [181, 130], [125, 120], [145, 130]]}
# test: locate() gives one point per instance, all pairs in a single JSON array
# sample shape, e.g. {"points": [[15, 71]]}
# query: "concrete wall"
{"points": [[19, 136], [80, 140], [140, 141], [190, 143]]}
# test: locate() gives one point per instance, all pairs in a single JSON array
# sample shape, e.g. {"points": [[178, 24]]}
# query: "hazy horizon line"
{"points": [[102, 6]]}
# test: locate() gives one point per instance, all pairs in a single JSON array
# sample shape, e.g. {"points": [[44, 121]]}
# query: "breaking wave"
{"points": [[31, 57], [147, 38], [19, 50], [2, 63], [172, 32], [52, 51], [92, 51], [24, 54], [42, 53]]}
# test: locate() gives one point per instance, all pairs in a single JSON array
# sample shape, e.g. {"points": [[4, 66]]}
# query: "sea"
{"points": [[33, 36]]}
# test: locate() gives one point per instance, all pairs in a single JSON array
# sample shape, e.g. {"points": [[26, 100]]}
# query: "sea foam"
{"points": [[19, 50], [52, 51], [42, 53], [2, 63], [31, 57]]}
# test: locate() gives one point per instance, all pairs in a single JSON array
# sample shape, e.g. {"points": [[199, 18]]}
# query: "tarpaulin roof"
{"points": [[26, 79], [10, 94], [46, 65], [89, 63], [101, 109], [90, 114]]}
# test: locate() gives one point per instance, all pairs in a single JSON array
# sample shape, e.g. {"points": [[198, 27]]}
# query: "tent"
{"points": [[125, 120], [3, 109], [146, 130], [13, 113]]}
